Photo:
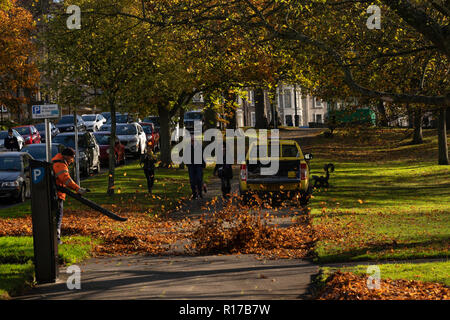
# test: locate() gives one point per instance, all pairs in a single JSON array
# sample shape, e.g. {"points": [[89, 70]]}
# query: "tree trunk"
{"points": [[164, 135], [112, 141], [418, 134], [260, 114], [410, 116], [448, 117], [442, 137], [382, 111]]}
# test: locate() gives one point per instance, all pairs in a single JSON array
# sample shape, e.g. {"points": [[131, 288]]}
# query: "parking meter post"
{"points": [[43, 212]]}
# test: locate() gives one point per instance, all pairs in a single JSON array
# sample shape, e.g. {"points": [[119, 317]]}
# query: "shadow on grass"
{"points": [[370, 252]]}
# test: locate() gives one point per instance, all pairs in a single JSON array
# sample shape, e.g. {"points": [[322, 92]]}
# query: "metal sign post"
{"points": [[48, 141], [46, 111]]}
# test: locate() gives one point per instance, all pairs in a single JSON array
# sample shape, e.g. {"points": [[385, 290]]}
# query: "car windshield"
{"points": [[125, 130], [89, 117], [9, 163], [193, 116], [102, 139], [23, 130], [147, 129], [38, 152], [66, 120], [69, 141], [40, 126]]}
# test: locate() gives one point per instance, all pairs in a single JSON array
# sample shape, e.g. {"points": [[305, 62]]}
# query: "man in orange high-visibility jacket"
{"points": [[61, 163]]}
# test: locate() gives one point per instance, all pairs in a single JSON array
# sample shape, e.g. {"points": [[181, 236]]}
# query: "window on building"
{"points": [[287, 99], [251, 97], [318, 118], [318, 103], [252, 119]]}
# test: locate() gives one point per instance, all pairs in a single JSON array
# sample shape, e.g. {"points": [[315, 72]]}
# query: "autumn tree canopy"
{"points": [[17, 61]]}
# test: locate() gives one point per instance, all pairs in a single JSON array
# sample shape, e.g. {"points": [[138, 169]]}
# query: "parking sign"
{"points": [[45, 111]]}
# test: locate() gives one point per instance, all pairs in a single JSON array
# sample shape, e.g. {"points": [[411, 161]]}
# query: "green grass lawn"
{"points": [[383, 209], [426, 272], [16, 261]]}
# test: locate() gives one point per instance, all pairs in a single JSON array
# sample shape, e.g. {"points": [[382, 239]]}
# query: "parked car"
{"points": [[191, 117], [174, 127], [89, 151], [291, 179], [15, 176], [29, 133], [39, 152], [151, 134], [131, 135], [66, 124], [4, 134], [103, 140], [121, 118], [93, 121], [106, 115], [41, 128]]}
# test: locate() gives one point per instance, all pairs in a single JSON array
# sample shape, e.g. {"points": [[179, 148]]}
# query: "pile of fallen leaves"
{"points": [[248, 230], [140, 234], [348, 286]]}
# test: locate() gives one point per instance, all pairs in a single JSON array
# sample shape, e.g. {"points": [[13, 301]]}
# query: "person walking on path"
{"points": [[149, 168], [61, 163], [11, 143], [195, 171], [225, 172]]}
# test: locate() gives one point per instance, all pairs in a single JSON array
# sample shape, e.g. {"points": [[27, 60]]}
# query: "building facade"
{"points": [[288, 105]]}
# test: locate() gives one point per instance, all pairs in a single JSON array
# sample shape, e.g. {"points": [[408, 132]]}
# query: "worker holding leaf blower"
{"points": [[61, 163]]}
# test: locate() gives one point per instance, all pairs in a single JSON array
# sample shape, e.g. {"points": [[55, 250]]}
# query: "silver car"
{"points": [[131, 135], [93, 121]]}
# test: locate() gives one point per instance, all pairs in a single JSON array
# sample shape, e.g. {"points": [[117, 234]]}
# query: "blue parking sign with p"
{"points": [[36, 109], [38, 174]]}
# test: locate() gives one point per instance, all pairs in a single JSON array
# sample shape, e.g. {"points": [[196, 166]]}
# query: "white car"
{"points": [[4, 134], [93, 121], [131, 135]]}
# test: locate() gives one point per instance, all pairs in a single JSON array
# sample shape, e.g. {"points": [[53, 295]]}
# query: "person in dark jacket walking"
{"points": [[225, 172], [11, 142], [196, 172], [149, 168]]}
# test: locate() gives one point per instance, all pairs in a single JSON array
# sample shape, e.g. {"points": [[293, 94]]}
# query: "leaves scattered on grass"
{"points": [[348, 286]]}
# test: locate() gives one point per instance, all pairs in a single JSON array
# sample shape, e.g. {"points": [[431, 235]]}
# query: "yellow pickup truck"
{"points": [[290, 180]]}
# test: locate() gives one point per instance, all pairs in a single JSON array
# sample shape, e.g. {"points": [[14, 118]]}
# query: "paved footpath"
{"points": [[185, 277], [201, 277]]}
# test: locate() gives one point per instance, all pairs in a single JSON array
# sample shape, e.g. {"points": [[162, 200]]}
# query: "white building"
{"points": [[288, 104]]}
